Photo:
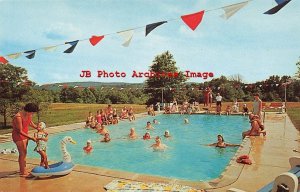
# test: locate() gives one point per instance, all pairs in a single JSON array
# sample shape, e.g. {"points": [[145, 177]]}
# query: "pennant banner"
{"points": [[127, 36], [73, 45], [151, 27], [3, 60], [232, 9], [281, 4], [94, 40], [193, 20], [14, 56], [31, 54]]}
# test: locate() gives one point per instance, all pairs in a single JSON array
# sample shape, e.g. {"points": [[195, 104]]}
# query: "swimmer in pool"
{"points": [[221, 143], [106, 138], [88, 148], [167, 134], [186, 121], [147, 136], [149, 126], [132, 134], [155, 121], [158, 146]]}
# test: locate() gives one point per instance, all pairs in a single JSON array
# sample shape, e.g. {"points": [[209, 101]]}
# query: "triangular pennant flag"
{"points": [[232, 9], [152, 26], [50, 49], [127, 36], [193, 20], [31, 54], [14, 55], [281, 4], [94, 40], [73, 45], [3, 61]]}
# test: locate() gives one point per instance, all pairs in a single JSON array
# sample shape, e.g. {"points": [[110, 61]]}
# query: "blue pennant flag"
{"points": [[31, 54], [73, 45], [281, 4]]}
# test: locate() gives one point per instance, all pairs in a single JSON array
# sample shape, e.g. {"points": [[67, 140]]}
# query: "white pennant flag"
{"points": [[14, 55], [50, 49], [232, 9], [127, 36]]}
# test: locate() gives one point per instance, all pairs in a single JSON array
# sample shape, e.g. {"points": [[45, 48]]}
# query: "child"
{"points": [[155, 121], [88, 148], [106, 138], [132, 134], [167, 134], [228, 110], [149, 126], [245, 110], [41, 138], [147, 136]]}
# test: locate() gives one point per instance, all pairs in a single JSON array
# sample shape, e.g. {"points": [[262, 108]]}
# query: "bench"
{"points": [[279, 106]]}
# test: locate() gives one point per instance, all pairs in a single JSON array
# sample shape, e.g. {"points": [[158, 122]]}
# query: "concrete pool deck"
{"points": [[269, 155]]}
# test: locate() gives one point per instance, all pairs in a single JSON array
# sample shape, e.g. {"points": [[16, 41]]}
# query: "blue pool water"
{"points": [[187, 157]]}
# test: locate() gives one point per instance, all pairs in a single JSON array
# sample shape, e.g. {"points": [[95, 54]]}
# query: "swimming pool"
{"points": [[187, 157]]}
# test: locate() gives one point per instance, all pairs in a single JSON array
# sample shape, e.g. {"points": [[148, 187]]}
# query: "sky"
{"points": [[249, 43]]}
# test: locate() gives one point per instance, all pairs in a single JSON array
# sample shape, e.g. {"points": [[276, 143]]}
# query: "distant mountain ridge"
{"points": [[58, 86]]}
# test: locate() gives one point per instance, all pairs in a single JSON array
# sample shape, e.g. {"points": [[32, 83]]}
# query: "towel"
{"points": [[132, 186]]}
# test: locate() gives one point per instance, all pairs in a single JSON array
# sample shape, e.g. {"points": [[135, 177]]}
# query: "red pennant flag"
{"points": [[94, 40], [3, 60], [193, 20]]}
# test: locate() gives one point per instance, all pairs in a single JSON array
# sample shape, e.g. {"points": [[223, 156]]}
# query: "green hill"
{"points": [[58, 86]]}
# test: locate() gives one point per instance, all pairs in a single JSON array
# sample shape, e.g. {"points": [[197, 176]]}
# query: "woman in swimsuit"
{"points": [[221, 143], [20, 136], [256, 127]]}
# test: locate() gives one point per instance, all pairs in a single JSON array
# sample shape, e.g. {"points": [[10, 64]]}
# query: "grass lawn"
{"points": [[294, 113], [67, 113]]}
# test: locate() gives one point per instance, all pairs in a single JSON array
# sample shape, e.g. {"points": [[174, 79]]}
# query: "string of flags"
{"points": [[191, 20]]}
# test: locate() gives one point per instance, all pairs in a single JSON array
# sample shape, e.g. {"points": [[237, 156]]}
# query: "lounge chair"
{"points": [[285, 182]]}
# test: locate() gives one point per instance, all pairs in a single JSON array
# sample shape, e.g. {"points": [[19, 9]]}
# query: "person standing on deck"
{"points": [[257, 105]]}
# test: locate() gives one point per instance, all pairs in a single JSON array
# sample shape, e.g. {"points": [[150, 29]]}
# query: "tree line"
{"points": [[16, 89]]}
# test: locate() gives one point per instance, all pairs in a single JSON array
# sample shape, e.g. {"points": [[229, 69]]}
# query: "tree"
{"points": [[70, 95], [298, 66], [41, 98], [14, 83], [236, 78], [154, 85], [88, 96]]}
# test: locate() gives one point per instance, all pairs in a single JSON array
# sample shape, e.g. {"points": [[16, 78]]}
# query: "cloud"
{"points": [[62, 31]]}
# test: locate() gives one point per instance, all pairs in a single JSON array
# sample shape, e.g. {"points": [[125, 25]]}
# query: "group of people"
{"points": [[109, 116], [158, 145], [23, 119]]}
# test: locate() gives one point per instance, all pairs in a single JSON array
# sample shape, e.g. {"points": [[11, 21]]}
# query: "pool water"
{"points": [[186, 157]]}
